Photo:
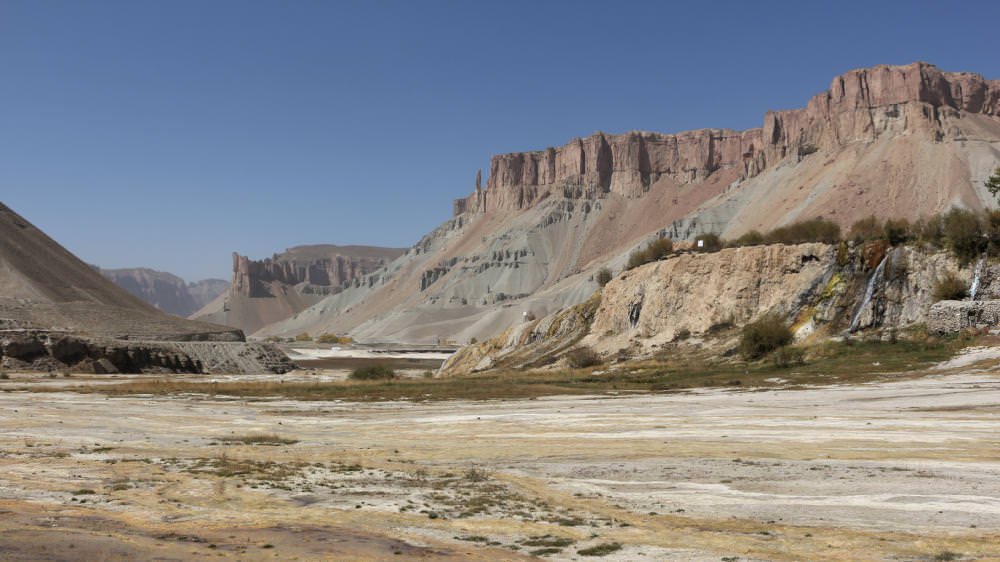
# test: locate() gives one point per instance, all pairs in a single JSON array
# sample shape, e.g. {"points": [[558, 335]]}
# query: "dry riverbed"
{"points": [[903, 470]]}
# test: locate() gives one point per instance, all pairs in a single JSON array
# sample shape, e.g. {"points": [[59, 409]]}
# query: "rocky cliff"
{"points": [[818, 289], [269, 290], [166, 291], [628, 164], [897, 141]]}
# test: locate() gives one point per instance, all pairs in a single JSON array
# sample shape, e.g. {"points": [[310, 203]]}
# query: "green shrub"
{"points": [[785, 357], [950, 288], [583, 357], [928, 230], [896, 231], [656, 250], [764, 336], [812, 230], [867, 228], [373, 372], [752, 238], [709, 243], [603, 276], [964, 232]]}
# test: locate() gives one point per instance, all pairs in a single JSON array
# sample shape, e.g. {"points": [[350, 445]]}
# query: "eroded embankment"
{"points": [[820, 290]]}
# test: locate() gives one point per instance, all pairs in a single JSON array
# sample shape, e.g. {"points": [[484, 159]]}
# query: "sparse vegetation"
{"points": [[656, 250], [764, 336], [812, 230], [600, 550], [303, 337], [992, 183], [896, 231], [603, 276], [257, 439], [583, 357], [785, 357], [865, 229], [950, 288], [964, 233], [751, 238], [330, 338], [707, 243], [373, 372]]}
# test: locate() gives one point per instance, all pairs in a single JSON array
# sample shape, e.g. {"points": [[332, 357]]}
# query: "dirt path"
{"points": [[908, 470]]}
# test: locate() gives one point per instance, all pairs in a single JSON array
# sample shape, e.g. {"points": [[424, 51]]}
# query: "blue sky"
{"points": [[169, 134]]}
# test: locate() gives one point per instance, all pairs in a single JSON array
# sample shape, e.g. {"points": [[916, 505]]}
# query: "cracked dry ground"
{"points": [[904, 470]]}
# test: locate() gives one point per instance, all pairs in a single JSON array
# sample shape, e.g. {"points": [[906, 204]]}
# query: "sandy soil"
{"points": [[907, 470]]}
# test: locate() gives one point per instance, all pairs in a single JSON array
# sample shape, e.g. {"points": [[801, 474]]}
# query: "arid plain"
{"points": [[905, 469]]}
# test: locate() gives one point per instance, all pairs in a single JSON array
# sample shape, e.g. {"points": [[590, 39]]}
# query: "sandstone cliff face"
{"points": [[629, 164], [896, 141], [270, 290], [694, 295], [320, 265], [165, 291]]}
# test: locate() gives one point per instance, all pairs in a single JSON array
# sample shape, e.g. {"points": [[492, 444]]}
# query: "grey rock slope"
{"points": [[898, 141]]}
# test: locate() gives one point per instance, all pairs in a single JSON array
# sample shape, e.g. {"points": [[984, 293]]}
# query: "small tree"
{"points": [[993, 182], [603, 276], [708, 243], [764, 336]]}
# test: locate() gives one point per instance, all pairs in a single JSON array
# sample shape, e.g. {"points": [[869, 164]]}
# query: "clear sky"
{"points": [[168, 134]]}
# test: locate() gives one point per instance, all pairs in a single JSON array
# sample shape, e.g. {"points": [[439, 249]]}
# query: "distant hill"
{"points": [[166, 291], [44, 286], [273, 289]]}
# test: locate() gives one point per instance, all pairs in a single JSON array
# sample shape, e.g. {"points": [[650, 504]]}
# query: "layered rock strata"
{"points": [[41, 350], [628, 164]]}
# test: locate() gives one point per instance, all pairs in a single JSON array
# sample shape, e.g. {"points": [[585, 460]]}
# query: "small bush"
{"points": [[896, 231], [864, 229], [950, 288], [709, 243], [583, 357], [600, 550], [786, 357], [812, 230], [752, 238], [764, 336], [328, 338], [303, 337], [603, 276], [928, 230], [373, 372], [656, 250], [964, 232]]}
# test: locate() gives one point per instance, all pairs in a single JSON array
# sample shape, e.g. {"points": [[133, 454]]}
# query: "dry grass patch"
{"points": [[256, 439]]}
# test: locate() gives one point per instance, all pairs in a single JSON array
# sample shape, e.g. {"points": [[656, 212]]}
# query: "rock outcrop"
{"points": [[898, 141], [818, 289], [40, 350], [630, 163], [166, 291], [269, 290]]}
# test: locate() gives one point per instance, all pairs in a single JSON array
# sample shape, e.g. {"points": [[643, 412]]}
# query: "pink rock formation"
{"points": [[630, 163], [324, 265]]}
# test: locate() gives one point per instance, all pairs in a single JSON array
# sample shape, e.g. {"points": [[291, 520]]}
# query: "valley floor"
{"points": [[900, 470]]}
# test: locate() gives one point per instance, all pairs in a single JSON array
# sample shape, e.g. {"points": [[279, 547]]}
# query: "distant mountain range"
{"points": [[166, 291]]}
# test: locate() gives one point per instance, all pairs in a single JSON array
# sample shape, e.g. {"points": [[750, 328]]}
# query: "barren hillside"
{"points": [[899, 141]]}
